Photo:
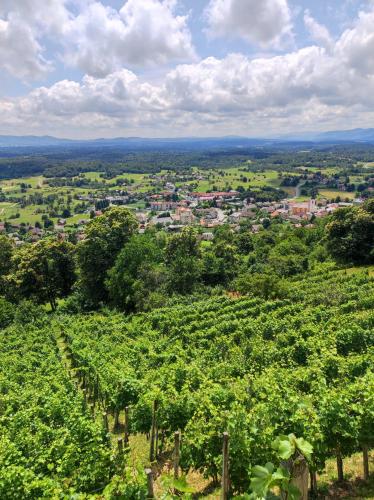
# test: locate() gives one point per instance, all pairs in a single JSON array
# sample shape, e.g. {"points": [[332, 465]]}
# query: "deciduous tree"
{"points": [[43, 272], [106, 235]]}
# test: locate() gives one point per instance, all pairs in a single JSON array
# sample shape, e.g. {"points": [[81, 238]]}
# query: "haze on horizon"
{"points": [[174, 68]]}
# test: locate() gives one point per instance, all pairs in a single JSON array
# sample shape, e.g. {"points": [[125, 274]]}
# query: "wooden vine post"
{"points": [[313, 483], [365, 457], [116, 419], [149, 475], [225, 467], [85, 397], [120, 446], [105, 421], [156, 442], [300, 477], [126, 426], [176, 457], [153, 432]]}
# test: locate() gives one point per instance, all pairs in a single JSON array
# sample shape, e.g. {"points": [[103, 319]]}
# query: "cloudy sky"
{"points": [[157, 68]]}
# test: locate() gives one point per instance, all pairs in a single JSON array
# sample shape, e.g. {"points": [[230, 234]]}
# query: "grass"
{"points": [[327, 170], [333, 193], [27, 214], [232, 178], [354, 486], [357, 269], [138, 205], [301, 198]]}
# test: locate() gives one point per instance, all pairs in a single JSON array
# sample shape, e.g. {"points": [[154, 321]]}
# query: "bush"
{"points": [[29, 312], [7, 311], [266, 286]]}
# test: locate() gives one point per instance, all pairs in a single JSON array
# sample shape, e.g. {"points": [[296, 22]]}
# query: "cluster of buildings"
{"points": [[227, 207], [172, 209], [299, 211], [18, 232]]}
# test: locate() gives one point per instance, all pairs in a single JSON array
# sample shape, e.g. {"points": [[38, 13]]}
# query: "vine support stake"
{"points": [[177, 444], [365, 457], [313, 483], [153, 432], [225, 467], [84, 398], [300, 477], [116, 419], [156, 442], [126, 426], [149, 475], [105, 421], [120, 446]]}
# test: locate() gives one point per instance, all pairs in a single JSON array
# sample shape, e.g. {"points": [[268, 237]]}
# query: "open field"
{"points": [[355, 270], [333, 193], [235, 177]]}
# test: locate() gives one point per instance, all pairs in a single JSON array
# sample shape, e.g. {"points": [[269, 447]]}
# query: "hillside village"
{"points": [[173, 208]]}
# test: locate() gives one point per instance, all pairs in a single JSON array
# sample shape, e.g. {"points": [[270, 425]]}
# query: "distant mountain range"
{"points": [[354, 135], [335, 136], [332, 137], [127, 142]]}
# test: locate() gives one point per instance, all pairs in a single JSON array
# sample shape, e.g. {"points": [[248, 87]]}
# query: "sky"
{"points": [[173, 68]]}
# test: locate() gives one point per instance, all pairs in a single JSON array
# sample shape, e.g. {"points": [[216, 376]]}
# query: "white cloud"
{"points": [[317, 31], [20, 52], [93, 37], [46, 14], [239, 84], [144, 32], [119, 98], [23, 23], [313, 87], [356, 45], [264, 22]]}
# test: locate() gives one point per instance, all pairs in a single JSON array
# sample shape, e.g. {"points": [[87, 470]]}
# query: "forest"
{"points": [[65, 161], [122, 340]]}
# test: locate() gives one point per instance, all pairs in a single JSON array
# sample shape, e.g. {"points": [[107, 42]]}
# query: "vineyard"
{"points": [[71, 385], [49, 442]]}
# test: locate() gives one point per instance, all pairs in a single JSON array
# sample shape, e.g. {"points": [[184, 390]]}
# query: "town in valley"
{"points": [[35, 207]]}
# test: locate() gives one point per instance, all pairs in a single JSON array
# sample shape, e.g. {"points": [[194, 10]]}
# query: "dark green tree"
{"points": [[350, 234], [182, 258], [141, 253], [106, 235], [6, 252], [43, 272]]}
